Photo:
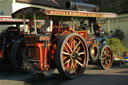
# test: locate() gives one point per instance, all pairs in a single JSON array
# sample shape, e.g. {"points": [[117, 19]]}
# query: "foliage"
{"points": [[124, 6], [96, 2], [116, 46], [119, 34], [118, 6]]}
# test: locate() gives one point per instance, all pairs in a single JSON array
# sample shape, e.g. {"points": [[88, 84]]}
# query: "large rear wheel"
{"points": [[71, 55], [106, 57]]}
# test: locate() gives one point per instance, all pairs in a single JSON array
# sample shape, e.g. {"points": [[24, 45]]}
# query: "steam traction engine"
{"points": [[60, 42], [10, 41]]}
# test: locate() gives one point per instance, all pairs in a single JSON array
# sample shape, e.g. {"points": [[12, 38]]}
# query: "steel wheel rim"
{"points": [[106, 58], [74, 55]]}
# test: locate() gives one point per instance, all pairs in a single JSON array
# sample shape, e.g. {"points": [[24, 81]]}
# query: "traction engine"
{"points": [[61, 42]]}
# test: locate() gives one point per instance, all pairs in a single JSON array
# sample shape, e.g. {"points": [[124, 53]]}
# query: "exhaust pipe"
{"points": [[81, 6]]}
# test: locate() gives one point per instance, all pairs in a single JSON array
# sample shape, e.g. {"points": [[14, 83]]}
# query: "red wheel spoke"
{"points": [[107, 52], [69, 47], [104, 52], [65, 53], [106, 63], [81, 53], [75, 68], [78, 50], [67, 67], [79, 58], [77, 45], [67, 61], [108, 55], [72, 43], [103, 58], [79, 63], [72, 66], [109, 60], [64, 57], [66, 49], [103, 61]]}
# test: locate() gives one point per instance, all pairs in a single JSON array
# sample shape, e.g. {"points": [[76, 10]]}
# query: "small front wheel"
{"points": [[106, 57], [71, 55]]}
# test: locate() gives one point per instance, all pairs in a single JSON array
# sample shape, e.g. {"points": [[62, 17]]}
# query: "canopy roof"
{"points": [[59, 12], [10, 20]]}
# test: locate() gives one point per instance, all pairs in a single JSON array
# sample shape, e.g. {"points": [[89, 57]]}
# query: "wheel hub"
{"points": [[107, 57], [75, 55]]}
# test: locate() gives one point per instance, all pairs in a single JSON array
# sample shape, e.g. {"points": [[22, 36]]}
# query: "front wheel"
{"points": [[71, 55], [106, 57]]}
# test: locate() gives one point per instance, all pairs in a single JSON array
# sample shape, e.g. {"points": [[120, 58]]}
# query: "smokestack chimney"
{"points": [[81, 6]]}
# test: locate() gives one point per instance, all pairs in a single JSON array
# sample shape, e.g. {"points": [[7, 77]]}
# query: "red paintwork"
{"points": [[53, 48], [94, 45], [65, 32], [83, 34], [1, 53], [42, 57], [88, 42]]}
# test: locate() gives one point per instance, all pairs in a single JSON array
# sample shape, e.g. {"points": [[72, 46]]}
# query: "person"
{"points": [[39, 27], [83, 26], [21, 30], [124, 59], [30, 28], [126, 55], [98, 30]]}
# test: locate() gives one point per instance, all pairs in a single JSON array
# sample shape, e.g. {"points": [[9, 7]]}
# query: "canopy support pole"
{"points": [[108, 25], [24, 22], [34, 15]]}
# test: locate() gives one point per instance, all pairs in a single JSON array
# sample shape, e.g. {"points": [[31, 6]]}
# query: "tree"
{"points": [[116, 6], [124, 6]]}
